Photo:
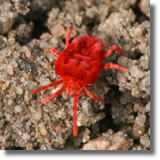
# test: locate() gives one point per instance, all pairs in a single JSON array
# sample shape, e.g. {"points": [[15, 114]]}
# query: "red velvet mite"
{"points": [[80, 65]]}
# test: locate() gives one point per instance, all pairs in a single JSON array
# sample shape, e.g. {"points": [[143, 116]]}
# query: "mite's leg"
{"points": [[88, 92], [112, 65], [76, 98], [47, 86], [55, 94], [53, 50], [110, 51], [68, 38]]}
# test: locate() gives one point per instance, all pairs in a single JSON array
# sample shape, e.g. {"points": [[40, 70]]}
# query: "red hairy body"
{"points": [[81, 61], [79, 65]]}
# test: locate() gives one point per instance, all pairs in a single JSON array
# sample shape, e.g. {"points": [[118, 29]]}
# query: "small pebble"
{"points": [[147, 107], [2, 139], [47, 66], [19, 90], [146, 81], [28, 54], [42, 129], [37, 116], [140, 119], [10, 69], [136, 72], [58, 30], [78, 19], [123, 61], [27, 96], [51, 57], [138, 130], [58, 128], [138, 31], [17, 109], [25, 136], [145, 140], [120, 77], [1, 84]]}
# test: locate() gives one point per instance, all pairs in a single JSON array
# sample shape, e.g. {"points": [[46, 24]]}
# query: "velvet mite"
{"points": [[80, 65]]}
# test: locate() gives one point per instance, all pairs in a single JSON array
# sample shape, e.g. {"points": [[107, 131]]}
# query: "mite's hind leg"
{"points": [[88, 92], [59, 92], [48, 86], [75, 127]]}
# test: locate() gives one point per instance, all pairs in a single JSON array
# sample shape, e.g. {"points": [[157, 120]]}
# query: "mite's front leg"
{"points": [[53, 50], [112, 65]]}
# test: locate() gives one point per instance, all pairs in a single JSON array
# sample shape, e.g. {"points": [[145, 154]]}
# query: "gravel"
{"points": [[27, 28]]}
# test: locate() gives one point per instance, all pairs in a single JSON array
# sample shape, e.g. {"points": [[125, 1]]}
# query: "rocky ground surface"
{"points": [[27, 28]]}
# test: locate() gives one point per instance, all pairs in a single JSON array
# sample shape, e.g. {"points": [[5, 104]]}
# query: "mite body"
{"points": [[81, 61]]}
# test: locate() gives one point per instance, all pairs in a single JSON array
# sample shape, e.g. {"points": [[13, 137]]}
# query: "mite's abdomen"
{"points": [[81, 61]]}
